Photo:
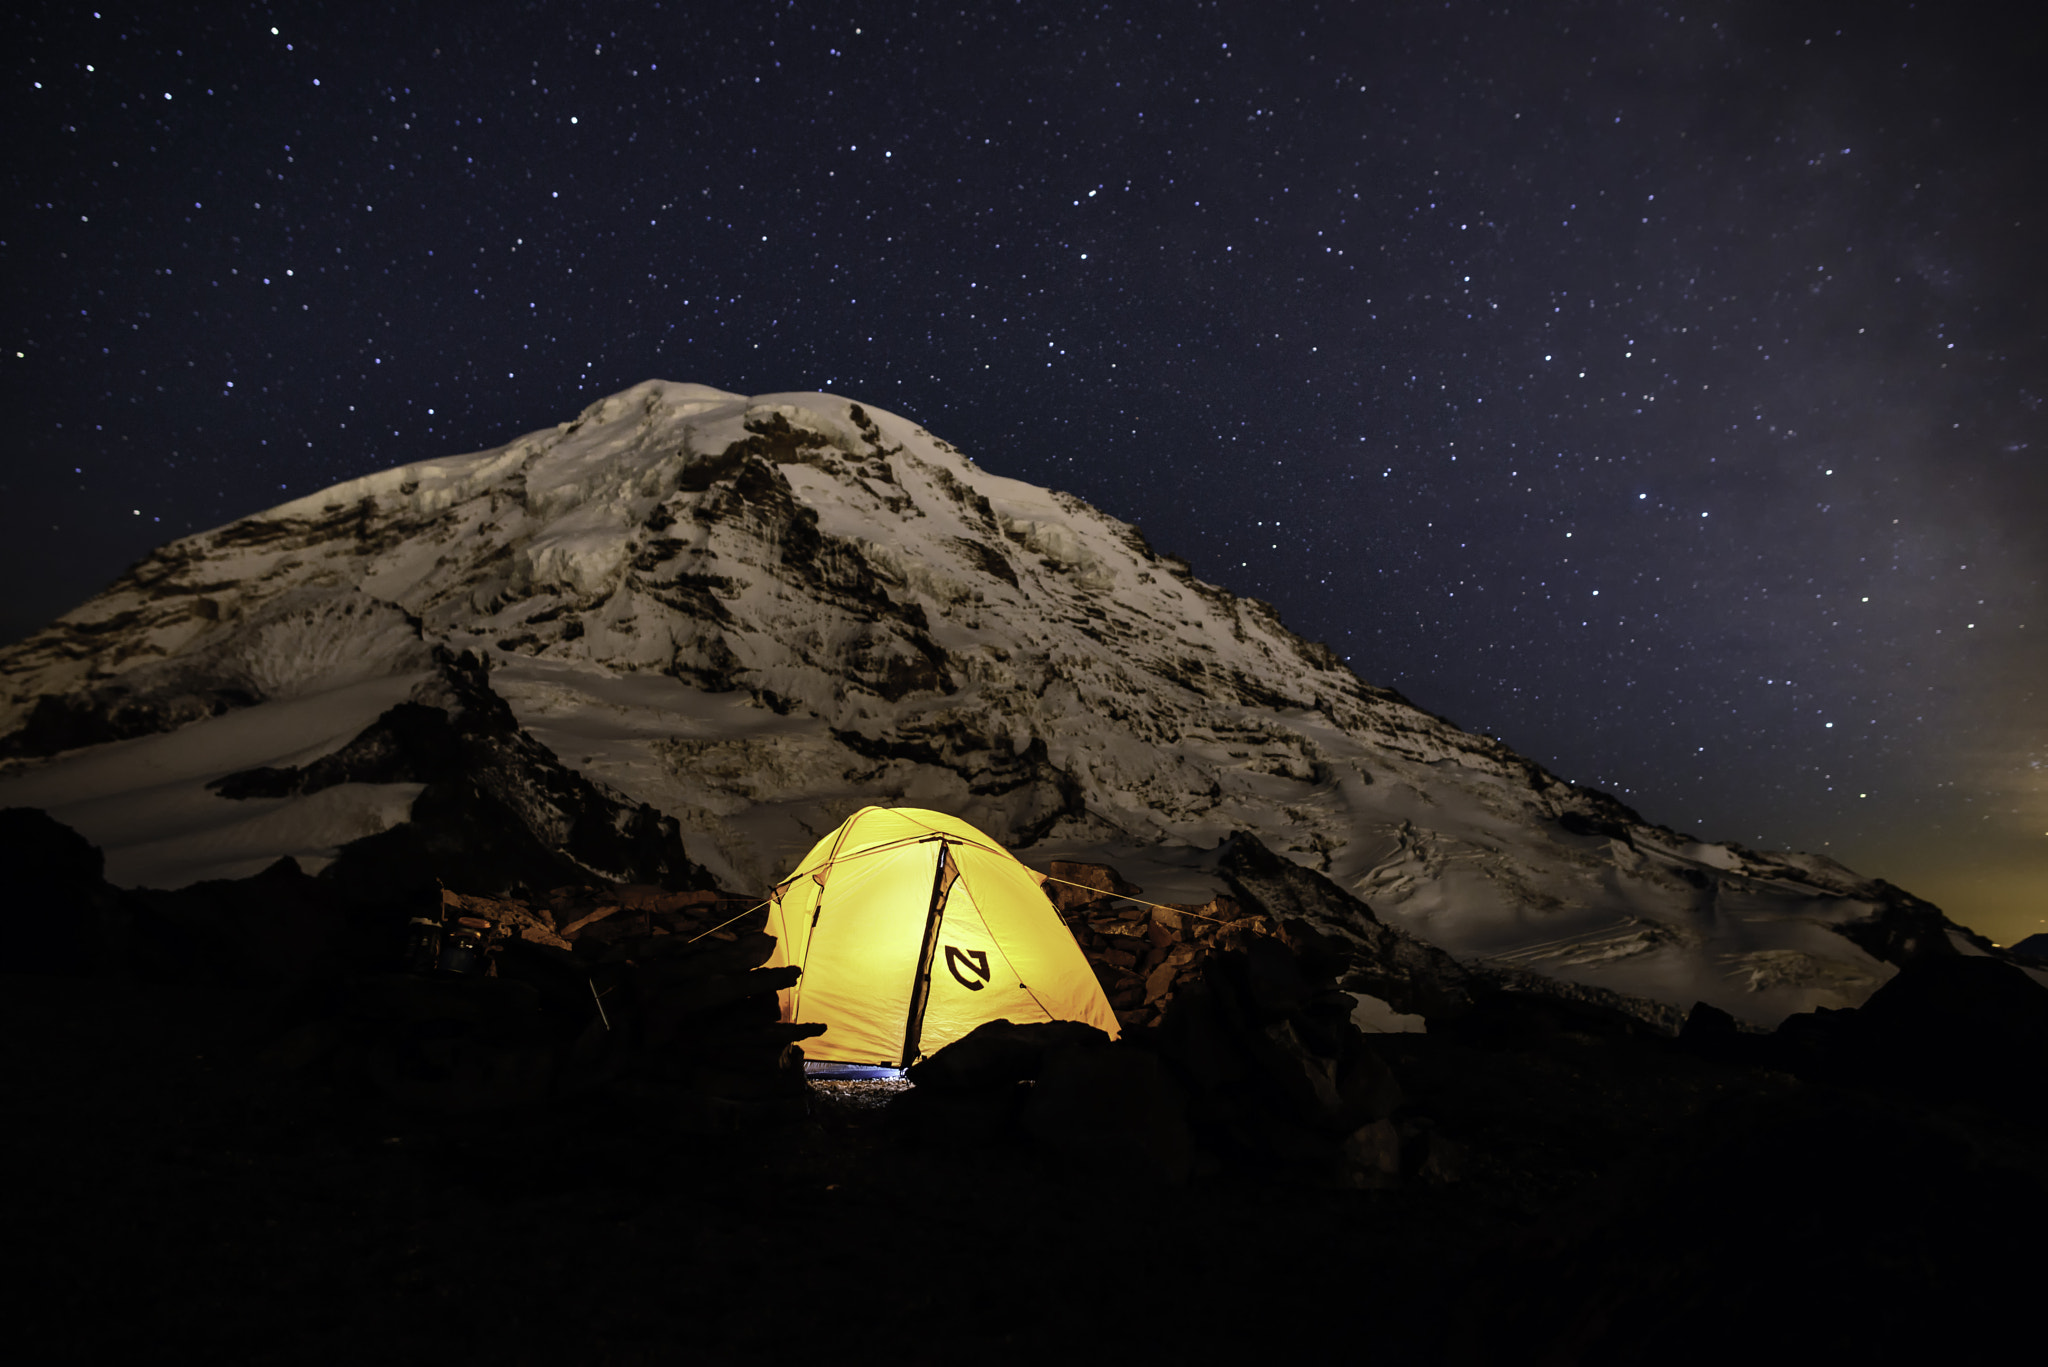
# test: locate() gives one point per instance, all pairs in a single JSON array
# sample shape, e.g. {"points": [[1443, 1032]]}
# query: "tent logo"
{"points": [[974, 961]]}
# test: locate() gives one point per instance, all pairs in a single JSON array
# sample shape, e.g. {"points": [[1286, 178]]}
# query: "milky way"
{"points": [[1656, 388]]}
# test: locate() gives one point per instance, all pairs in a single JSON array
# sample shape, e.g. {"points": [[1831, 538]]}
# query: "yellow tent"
{"points": [[912, 928]]}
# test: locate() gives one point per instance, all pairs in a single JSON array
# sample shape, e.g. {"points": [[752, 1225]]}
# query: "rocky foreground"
{"points": [[604, 1153]]}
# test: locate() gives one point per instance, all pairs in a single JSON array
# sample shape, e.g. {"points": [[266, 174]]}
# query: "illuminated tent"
{"points": [[912, 928]]}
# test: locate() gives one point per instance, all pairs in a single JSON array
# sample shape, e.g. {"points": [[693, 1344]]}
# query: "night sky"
{"points": [[1656, 387]]}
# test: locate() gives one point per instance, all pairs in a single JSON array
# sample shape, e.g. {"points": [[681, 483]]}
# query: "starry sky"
{"points": [[1655, 387]]}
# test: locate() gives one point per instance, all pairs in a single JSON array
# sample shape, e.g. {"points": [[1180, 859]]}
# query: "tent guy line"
{"points": [[1125, 897], [723, 924], [1042, 877]]}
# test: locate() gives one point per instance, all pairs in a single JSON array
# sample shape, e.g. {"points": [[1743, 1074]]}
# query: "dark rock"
{"points": [[677, 1033], [280, 927], [1580, 823], [973, 1117], [667, 1009], [1200, 1038], [1963, 1000], [1324, 958], [1367, 1087], [1325, 1022], [1372, 1155], [410, 743], [1811, 1043], [1904, 929], [1111, 1109], [1384, 961], [2034, 947], [1294, 1081], [1514, 1018], [449, 1045], [1271, 1146], [39, 852], [1275, 986], [498, 812], [109, 713], [1711, 1033], [1299, 1093], [999, 1054], [1956, 1027], [1623, 1013], [59, 901], [1884, 1238], [683, 1111], [1429, 1155], [1328, 927], [1075, 884], [1706, 1026], [561, 985]]}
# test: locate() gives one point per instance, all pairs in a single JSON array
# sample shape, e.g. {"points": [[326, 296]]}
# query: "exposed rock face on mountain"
{"points": [[697, 621]]}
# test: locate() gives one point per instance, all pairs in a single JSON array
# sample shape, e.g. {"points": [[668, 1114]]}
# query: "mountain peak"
{"points": [[757, 614]]}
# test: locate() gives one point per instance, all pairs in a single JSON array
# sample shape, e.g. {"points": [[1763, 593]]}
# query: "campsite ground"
{"points": [[1592, 1201]]}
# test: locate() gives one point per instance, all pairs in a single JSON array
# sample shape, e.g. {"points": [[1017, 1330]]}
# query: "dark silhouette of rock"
{"points": [[1384, 961], [278, 928], [1711, 1033], [1000, 1054], [58, 900], [1833, 1230], [1519, 1018], [1707, 1027], [1111, 1110], [687, 1036], [1904, 929], [110, 712], [1958, 1026], [1947, 1027], [1278, 1079], [1962, 1001], [498, 814]]}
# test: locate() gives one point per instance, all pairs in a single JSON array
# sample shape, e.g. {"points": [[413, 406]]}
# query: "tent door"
{"points": [[920, 989]]}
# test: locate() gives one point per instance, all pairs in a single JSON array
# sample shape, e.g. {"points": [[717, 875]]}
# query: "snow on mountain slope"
{"points": [[756, 615]]}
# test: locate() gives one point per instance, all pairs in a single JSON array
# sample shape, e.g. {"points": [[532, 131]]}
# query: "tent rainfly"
{"points": [[912, 928]]}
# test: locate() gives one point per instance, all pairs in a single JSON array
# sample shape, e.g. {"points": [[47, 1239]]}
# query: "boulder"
{"points": [[1000, 1054], [1963, 1002], [1951, 1027], [1711, 1033], [1275, 986], [278, 928], [1073, 884], [1114, 1109], [1279, 1080], [1335, 927]]}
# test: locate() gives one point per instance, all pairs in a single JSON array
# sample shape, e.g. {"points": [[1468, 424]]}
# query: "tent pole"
{"points": [[921, 986]]}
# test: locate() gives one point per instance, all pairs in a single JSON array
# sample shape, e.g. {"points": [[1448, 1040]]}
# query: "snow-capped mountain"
{"points": [[755, 615]]}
